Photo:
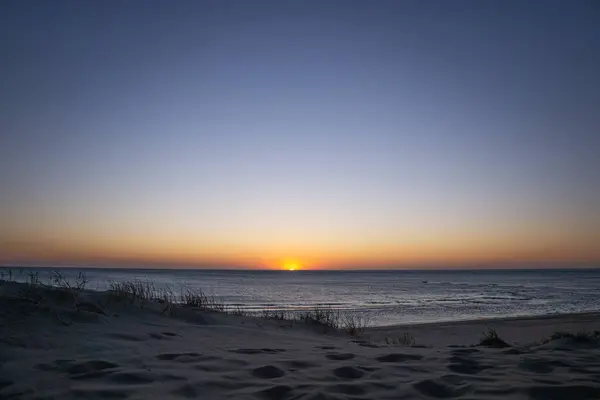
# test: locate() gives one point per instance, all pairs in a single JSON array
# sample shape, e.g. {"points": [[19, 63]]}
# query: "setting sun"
{"points": [[291, 266]]}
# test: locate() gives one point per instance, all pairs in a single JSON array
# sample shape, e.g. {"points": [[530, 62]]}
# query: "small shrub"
{"points": [[578, 337], [491, 339], [354, 323], [583, 336]]}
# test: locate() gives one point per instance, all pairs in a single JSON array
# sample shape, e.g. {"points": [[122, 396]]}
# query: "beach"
{"points": [[300, 200], [58, 343]]}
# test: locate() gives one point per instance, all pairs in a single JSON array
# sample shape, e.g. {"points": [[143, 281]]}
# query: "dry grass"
{"points": [[61, 298], [59, 280], [33, 279], [145, 292], [323, 316], [237, 311], [7, 275], [197, 299], [133, 290], [279, 315], [352, 323], [406, 339], [492, 339]]}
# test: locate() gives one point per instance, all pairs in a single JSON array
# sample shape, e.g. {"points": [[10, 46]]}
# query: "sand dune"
{"points": [[98, 350]]}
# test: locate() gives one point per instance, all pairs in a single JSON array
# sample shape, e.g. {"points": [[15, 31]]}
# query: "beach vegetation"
{"points": [[406, 339], [279, 315], [78, 284], [142, 293], [577, 337], [492, 339]]}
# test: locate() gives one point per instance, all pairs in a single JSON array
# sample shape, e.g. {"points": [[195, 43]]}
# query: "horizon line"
{"points": [[588, 266]]}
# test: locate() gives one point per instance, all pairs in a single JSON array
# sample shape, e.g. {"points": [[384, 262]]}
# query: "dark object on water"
{"points": [[423, 281]]}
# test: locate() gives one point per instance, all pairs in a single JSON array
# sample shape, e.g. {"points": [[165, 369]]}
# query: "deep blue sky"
{"points": [[333, 133]]}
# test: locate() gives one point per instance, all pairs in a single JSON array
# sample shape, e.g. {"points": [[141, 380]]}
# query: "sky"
{"points": [[329, 134]]}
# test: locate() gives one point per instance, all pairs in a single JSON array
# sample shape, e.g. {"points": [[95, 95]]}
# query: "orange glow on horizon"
{"points": [[189, 252], [291, 265]]}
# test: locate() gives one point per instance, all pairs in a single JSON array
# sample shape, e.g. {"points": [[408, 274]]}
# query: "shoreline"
{"points": [[371, 328], [520, 331], [488, 320]]}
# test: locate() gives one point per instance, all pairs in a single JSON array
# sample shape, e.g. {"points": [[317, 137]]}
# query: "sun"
{"points": [[291, 266]]}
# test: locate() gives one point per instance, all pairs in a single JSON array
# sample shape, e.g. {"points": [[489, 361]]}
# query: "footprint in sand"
{"points": [[398, 357], [257, 351], [369, 369], [91, 369], [97, 393], [347, 389], [132, 377], [439, 390], [462, 365], [162, 335], [340, 356], [274, 392], [136, 377], [130, 337], [540, 366], [348, 373], [299, 364], [364, 343], [219, 365], [91, 375], [57, 364], [268, 372], [187, 390], [89, 366], [181, 357]]}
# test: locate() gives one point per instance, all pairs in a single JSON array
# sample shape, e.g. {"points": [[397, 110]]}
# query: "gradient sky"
{"points": [[332, 133]]}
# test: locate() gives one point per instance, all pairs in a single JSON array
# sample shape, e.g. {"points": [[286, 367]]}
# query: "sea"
{"points": [[382, 297]]}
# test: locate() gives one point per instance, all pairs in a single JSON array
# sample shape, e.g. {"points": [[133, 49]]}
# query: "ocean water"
{"points": [[386, 297]]}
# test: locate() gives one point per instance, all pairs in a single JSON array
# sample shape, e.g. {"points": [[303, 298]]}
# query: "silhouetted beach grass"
{"points": [[143, 293]]}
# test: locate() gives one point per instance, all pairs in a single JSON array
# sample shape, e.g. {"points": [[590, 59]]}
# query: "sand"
{"points": [[54, 345]]}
